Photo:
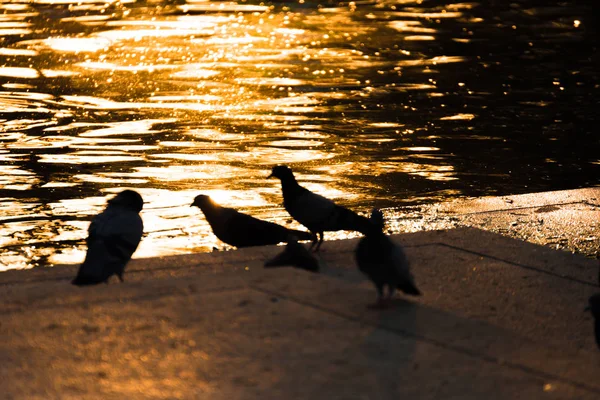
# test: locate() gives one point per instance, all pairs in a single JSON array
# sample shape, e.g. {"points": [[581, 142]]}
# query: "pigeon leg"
{"points": [[391, 292], [121, 277], [320, 235], [381, 302], [314, 242]]}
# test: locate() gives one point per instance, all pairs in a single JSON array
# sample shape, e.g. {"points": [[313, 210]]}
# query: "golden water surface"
{"points": [[372, 103]]}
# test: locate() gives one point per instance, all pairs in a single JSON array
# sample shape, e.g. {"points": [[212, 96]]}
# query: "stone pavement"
{"points": [[564, 220], [500, 318]]}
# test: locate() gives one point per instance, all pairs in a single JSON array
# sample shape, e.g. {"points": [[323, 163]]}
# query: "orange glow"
{"points": [[77, 45], [17, 52], [17, 72], [174, 99], [458, 117]]}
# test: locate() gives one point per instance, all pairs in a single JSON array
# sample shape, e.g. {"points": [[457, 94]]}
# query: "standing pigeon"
{"points": [[594, 307], [113, 236], [314, 211], [296, 255], [241, 230], [384, 262]]}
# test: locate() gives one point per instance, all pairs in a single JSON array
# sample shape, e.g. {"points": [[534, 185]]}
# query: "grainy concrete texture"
{"points": [[564, 220], [500, 318]]}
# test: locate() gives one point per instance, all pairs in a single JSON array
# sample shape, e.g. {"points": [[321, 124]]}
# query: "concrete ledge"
{"points": [[220, 325], [500, 318], [563, 220]]}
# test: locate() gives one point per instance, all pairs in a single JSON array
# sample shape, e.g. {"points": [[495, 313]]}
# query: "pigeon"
{"points": [[113, 236], [242, 230], [296, 255], [384, 263], [594, 307], [314, 211]]}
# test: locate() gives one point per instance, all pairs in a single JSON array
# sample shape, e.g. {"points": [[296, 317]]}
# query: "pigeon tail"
{"points": [[348, 220], [302, 235], [82, 280], [409, 288], [95, 269]]}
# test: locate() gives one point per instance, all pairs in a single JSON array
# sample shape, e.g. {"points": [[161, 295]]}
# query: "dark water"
{"points": [[373, 103]]}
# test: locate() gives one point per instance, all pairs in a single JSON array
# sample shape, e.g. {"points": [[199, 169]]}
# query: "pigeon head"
{"points": [[377, 218], [128, 199], [202, 201], [283, 173]]}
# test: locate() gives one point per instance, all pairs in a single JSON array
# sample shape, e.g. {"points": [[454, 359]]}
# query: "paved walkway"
{"points": [[564, 220], [499, 319]]}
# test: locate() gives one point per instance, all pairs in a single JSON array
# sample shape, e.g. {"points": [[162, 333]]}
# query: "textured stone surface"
{"points": [[500, 318], [564, 220]]}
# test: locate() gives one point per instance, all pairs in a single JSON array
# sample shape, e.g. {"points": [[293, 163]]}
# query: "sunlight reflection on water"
{"points": [[373, 103]]}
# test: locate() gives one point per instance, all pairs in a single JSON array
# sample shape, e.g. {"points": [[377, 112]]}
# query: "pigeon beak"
{"points": [[587, 309], [270, 176]]}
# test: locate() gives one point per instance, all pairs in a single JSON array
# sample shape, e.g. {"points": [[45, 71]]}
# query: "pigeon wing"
{"points": [[242, 230], [399, 270], [344, 219], [312, 210], [114, 235], [321, 214], [385, 263], [371, 259]]}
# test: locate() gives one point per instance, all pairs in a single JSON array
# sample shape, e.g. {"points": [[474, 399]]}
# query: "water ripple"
{"points": [[373, 103]]}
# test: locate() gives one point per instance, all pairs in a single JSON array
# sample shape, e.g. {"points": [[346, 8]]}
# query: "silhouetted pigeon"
{"points": [[241, 230], [295, 255], [113, 236], [594, 307], [384, 262], [314, 211]]}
